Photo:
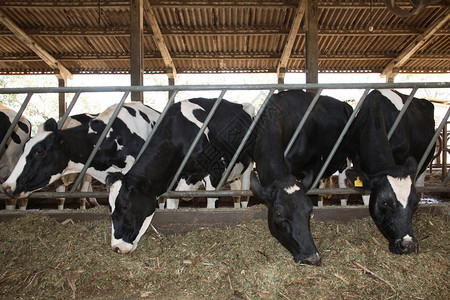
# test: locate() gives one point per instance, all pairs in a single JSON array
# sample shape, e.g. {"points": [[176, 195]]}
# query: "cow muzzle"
{"points": [[404, 246], [123, 247], [311, 259]]}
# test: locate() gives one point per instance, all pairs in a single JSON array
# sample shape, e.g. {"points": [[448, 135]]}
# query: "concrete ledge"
{"points": [[184, 220]]}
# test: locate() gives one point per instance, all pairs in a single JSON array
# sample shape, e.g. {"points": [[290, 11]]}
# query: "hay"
{"points": [[44, 259]]}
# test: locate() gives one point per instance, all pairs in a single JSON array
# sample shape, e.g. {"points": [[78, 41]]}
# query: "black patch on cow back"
{"points": [[24, 127], [130, 111], [144, 116]]}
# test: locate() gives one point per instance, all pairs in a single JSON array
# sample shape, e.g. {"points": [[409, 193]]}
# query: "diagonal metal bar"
{"points": [[160, 118], [303, 121], [244, 141], [402, 112], [69, 109], [433, 141], [197, 139], [15, 121], [99, 142], [341, 138]]}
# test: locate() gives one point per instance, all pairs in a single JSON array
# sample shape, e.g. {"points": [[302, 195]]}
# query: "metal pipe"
{"points": [[99, 142], [432, 142], [244, 141], [68, 110], [303, 121], [160, 118], [165, 88], [197, 139], [341, 137], [402, 112], [15, 122]]}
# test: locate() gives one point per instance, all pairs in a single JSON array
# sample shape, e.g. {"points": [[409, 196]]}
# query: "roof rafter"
{"points": [[160, 42], [60, 71], [299, 13], [409, 51]]}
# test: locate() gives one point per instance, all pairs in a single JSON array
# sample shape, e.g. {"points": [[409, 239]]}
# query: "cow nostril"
{"points": [[313, 259], [117, 250]]}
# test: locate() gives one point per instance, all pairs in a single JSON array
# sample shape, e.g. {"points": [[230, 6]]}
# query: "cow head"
{"points": [[289, 213], [41, 163], [132, 209], [393, 200]]}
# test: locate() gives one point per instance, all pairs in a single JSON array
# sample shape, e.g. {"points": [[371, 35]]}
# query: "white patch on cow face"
{"points": [[125, 247], [401, 188], [20, 166], [113, 193], [292, 189], [393, 97], [187, 109], [407, 238]]}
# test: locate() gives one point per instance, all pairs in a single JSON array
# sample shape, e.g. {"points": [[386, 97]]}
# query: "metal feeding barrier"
{"points": [[223, 89]]}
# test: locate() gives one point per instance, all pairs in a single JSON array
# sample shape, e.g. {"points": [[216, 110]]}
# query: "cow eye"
{"points": [[385, 204], [38, 152]]}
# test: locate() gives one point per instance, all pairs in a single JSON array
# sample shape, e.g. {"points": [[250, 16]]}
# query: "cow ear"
{"points": [[113, 177], [357, 178], [256, 187], [411, 166], [308, 179], [50, 125]]}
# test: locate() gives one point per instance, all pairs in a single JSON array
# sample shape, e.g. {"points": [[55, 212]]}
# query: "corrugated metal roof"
{"points": [[219, 36]]}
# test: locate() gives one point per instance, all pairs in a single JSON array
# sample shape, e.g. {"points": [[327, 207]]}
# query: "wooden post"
{"points": [[136, 47], [312, 42], [62, 98]]}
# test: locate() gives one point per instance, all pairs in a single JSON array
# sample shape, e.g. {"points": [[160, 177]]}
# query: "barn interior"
{"points": [[137, 37]]}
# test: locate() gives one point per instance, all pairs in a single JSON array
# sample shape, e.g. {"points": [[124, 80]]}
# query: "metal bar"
{"points": [[160, 118], [215, 193], [244, 141], [303, 121], [99, 142], [197, 139], [165, 88], [341, 137], [68, 110], [15, 122], [433, 141], [402, 112]]}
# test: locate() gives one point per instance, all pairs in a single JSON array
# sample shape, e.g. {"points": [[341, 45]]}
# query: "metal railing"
{"points": [[222, 89]]}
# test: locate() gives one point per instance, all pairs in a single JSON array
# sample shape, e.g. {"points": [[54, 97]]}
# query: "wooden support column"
{"points": [[137, 47], [62, 98], [312, 42]]}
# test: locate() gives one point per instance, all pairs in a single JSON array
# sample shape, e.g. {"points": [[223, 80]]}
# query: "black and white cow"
{"points": [[66, 180], [289, 208], [389, 167], [52, 153], [14, 146], [133, 196]]}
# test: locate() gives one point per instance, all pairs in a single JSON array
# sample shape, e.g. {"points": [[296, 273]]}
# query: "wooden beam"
{"points": [[60, 71], [312, 42], [282, 64], [62, 98], [137, 47], [409, 51], [159, 40]]}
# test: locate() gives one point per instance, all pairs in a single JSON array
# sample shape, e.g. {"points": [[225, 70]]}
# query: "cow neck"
{"points": [[77, 143], [374, 150], [157, 165]]}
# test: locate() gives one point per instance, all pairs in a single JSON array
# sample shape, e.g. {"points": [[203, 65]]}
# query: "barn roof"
{"points": [[203, 36]]}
